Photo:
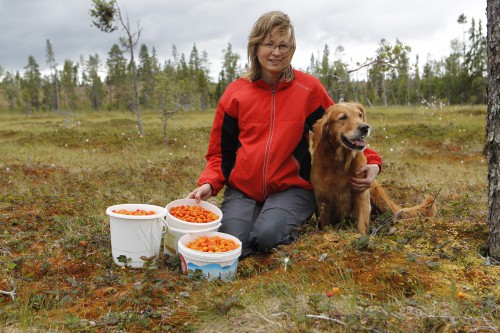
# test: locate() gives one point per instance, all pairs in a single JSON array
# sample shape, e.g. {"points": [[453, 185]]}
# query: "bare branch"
{"points": [[12, 293], [367, 63], [327, 318]]}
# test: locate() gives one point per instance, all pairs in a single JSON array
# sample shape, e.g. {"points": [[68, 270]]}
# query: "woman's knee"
{"points": [[238, 228], [276, 227]]}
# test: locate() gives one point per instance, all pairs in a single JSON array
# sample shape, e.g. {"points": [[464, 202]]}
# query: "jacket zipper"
{"points": [[268, 144]]}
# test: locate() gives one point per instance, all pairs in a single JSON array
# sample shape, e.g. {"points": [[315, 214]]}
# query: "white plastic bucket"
{"points": [[134, 237], [173, 235], [219, 265], [184, 225]]}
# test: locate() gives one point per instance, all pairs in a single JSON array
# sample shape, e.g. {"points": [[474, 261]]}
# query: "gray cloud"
{"points": [[427, 26]]}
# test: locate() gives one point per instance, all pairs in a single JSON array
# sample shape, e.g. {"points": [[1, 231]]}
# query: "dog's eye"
{"points": [[343, 117], [361, 115]]}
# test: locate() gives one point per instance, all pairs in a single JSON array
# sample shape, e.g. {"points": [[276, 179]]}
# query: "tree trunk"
{"points": [[57, 91], [130, 42], [493, 127], [384, 92], [137, 105]]}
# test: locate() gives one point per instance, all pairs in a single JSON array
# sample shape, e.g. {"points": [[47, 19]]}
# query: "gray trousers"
{"points": [[262, 227]]}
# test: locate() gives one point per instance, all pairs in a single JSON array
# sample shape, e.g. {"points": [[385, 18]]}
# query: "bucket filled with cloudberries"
{"points": [[214, 255], [186, 214], [136, 232]]}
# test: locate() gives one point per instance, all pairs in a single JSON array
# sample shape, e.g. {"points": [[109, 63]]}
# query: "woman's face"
{"points": [[274, 55]]}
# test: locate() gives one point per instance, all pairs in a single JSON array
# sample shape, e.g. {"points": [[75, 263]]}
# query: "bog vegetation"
{"points": [[59, 173]]}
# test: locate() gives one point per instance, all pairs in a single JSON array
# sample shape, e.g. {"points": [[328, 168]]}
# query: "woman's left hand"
{"points": [[362, 184]]}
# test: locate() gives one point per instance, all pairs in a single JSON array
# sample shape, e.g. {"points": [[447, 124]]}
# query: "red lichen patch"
{"points": [[42, 174], [481, 280], [26, 211], [37, 173], [382, 276]]}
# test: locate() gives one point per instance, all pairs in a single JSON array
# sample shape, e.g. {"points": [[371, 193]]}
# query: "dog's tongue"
{"points": [[358, 142]]}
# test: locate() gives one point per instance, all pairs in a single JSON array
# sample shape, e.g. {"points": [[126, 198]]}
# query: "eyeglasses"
{"points": [[283, 48]]}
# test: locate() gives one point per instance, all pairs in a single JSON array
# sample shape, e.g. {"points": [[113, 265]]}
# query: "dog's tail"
{"points": [[426, 208], [381, 202]]}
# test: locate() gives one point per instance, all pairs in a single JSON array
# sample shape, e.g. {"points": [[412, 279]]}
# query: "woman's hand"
{"points": [[201, 193], [362, 184]]}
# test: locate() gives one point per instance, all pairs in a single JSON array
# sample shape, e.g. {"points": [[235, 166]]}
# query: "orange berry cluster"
{"points": [[195, 214], [137, 212], [212, 244], [335, 291]]}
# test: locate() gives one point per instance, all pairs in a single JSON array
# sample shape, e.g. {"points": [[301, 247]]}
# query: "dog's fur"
{"points": [[337, 144]]}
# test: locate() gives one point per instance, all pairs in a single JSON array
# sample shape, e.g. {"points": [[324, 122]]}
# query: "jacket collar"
{"points": [[279, 86]]}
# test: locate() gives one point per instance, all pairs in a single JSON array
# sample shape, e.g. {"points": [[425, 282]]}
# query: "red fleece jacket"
{"points": [[259, 143]]}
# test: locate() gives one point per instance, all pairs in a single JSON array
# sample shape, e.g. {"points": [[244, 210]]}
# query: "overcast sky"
{"points": [[427, 26]]}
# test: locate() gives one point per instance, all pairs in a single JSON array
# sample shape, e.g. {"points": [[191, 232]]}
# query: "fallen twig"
{"points": [[433, 200], [327, 318], [385, 223], [268, 320], [12, 293]]}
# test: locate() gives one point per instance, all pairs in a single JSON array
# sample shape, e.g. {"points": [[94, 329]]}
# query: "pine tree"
{"points": [[68, 85], [31, 85], [95, 87], [116, 79], [51, 62]]}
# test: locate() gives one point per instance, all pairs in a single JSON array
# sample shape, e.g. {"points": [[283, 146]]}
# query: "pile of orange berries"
{"points": [[195, 214], [137, 212], [212, 244]]}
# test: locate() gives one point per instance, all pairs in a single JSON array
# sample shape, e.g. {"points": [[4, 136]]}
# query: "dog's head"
{"points": [[344, 124]]}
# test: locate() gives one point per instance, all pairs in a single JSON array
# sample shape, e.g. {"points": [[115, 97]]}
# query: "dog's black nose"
{"points": [[364, 128]]}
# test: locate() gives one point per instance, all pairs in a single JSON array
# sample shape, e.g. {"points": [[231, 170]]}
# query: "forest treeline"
{"points": [[184, 82]]}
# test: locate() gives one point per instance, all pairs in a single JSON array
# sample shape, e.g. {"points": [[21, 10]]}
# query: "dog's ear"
{"points": [[321, 129], [325, 126], [360, 107]]}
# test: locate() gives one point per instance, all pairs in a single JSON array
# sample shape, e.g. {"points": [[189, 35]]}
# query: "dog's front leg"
{"points": [[362, 211]]}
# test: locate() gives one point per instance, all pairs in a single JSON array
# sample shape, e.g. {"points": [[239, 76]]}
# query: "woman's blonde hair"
{"points": [[273, 23]]}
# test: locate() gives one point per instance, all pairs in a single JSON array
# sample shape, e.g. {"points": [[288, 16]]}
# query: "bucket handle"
{"points": [[165, 228], [165, 225]]}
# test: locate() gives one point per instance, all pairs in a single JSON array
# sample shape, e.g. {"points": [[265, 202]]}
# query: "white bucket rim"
{"points": [[160, 211], [192, 202]]}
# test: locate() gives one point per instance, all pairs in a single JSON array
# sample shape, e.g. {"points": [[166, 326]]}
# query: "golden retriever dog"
{"points": [[338, 141]]}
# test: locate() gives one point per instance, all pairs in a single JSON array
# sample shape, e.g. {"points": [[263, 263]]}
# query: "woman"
{"points": [[259, 143]]}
